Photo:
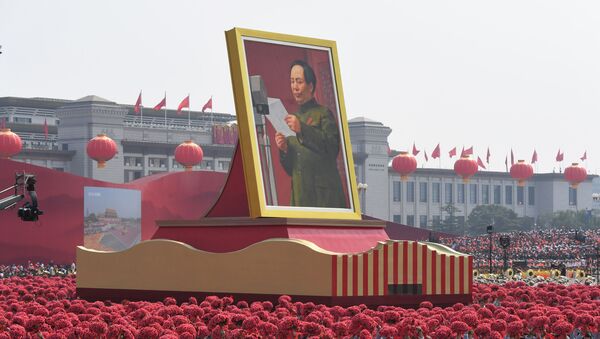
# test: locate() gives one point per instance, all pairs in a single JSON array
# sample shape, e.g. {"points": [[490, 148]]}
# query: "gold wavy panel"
{"points": [[274, 266]]}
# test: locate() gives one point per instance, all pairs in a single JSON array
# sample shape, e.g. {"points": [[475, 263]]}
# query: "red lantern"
{"points": [[404, 164], [575, 174], [189, 154], [10, 143], [521, 171], [102, 149], [465, 167]]}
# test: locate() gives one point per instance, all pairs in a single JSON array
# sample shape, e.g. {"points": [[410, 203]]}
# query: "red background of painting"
{"points": [[177, 195], [272, 62]]}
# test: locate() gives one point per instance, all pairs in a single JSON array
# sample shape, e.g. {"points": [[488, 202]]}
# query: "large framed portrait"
{"points": [[293, 129]]}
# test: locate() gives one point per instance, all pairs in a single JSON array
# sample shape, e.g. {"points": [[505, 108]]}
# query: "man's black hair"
{"points": [[309, 74]]}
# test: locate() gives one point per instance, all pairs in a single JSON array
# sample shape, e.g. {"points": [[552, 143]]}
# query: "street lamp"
{"points": [[362, 192], [505, 243], [490, 231], [597, 265]]}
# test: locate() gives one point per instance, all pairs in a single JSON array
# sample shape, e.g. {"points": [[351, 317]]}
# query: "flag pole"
{"points": [[189, 115], [166, 111], [141, 112]]}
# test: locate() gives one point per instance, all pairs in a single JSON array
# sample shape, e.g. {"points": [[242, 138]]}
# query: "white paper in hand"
{"points": [[276, 116]]}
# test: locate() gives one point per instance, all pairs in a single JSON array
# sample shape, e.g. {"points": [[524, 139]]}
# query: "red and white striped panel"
{"points": [[402, 263]]}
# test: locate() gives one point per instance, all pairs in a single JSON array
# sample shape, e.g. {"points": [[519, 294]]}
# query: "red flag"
{"points": [[161, 104], [584, 157], [560, 156], [534, 158], [138, 103], [185, 103], [436, 152], [415, 150], [452, 152], [208, 104], [45, 129], [480, 163], [469, 151], [487, 157], [512, 157], [426, 158]]}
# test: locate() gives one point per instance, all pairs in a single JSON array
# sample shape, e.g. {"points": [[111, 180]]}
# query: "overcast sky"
{"points": [[503, 74]]}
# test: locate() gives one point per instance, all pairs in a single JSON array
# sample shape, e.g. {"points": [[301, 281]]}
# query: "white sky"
{"points": [[504, 74]]}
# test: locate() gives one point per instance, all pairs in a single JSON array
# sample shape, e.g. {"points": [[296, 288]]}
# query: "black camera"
{"points": [[29, 213]]}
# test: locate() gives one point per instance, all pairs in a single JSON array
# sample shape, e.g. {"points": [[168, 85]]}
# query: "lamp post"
{"points": [[598, 265], [362, 192], [505, 243], [490, 231]]}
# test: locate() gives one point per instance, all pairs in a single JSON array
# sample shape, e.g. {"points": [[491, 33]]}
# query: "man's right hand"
{"points": [[281, 142]]}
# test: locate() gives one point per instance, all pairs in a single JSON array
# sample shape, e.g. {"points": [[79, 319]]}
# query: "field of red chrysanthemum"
{"points": [[41, 307]]}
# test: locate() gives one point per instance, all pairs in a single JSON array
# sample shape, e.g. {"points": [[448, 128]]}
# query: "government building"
{"points": [[55, 133]]}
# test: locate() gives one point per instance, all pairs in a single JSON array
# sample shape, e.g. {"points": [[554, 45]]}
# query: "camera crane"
{"points": [[23, 182]]}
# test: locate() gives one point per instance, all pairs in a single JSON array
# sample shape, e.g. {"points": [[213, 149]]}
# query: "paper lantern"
{"points": [[10, 143], [575, 174], [189, 154], [465, 167], [404, 164], [521, 172], [102, 149]]}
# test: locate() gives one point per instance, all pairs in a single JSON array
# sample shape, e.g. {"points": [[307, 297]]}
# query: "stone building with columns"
{"points": [[145, 143], [146, 146], [420, 200]]}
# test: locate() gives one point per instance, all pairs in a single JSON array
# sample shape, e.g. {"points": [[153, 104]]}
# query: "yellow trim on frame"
{"points": [[247, 132]]}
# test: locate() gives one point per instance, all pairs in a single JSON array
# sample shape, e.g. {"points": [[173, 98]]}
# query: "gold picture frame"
{"points": [[299, 178]]}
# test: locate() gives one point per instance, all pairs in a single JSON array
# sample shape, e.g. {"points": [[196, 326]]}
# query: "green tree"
{"points": [[575, 219], [503, 219], [91, 218], [450, 223], [545, 220]]}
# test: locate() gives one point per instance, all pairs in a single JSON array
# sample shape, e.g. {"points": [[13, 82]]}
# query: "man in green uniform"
{"points": [[310, 156]]}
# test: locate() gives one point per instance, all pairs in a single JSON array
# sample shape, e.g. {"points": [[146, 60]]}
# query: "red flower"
{"points": [[186, 328], [312, 329], [99, 328], [119, 331], [203, 331], [515, 329], [340, 329], [442, 332], [267, 329], [365, 334], [288, 324], [483, 330], [17, 331], [148, 333], [459, 327], [562, 328], [426, 304], [391, 317], [388, 331], [267, 306], [470, 318]]}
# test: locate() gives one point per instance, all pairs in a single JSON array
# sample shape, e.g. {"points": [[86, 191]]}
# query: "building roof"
{"points": [[487, 174], [364, 121], [94, 98], [45, 103]]}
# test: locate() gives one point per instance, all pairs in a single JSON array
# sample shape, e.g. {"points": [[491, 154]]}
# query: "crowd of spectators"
{"points": [[37, 269], [537, 249]]}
